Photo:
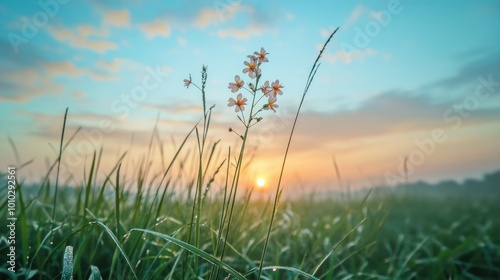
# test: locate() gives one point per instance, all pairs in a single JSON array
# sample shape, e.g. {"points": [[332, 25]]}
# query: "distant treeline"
{"points": [[489, 185]]}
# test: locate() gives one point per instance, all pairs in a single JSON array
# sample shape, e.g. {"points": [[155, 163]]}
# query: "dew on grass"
{"points": [[336, 220]]}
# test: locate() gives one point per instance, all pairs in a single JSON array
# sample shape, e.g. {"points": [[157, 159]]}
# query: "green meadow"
{"points": [[408, 232]]}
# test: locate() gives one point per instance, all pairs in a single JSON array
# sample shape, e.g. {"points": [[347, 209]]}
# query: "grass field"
{"points": [[394, 234]]}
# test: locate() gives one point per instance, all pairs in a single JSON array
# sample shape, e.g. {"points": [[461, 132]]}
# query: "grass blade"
{"points": [[119, 246], [336, 246], [58, 169], [312, 73], [286, 268], [67, 273], [202, 254], [95, 274]]}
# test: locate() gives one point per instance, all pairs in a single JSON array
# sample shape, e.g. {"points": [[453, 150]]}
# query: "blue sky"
{"points": [[395, 72]]}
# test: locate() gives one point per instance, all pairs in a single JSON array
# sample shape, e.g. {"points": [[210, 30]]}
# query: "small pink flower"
{"points": [[276, 88], [252, 58], [266, 89], [252, 68], [262, 55], [187, 82], [237, 85], [271, 104], [240, 102]]}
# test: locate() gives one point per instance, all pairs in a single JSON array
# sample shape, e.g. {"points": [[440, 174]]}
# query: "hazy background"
{"points": [[401, 78]]}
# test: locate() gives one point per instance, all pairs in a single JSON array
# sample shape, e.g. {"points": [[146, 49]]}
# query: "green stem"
{"points": [[238, 170], [312, 73]]}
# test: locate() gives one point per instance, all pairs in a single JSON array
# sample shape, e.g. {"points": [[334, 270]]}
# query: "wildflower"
{"points": [[252, 67], [252, 87], [266, 89], [262, 55], [187, 82], [276, 88], [239, 102], [252, 58], [237, 85], [271, 104]]}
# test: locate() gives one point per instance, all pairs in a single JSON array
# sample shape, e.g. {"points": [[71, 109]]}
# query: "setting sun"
{"points": [[261, 182]]}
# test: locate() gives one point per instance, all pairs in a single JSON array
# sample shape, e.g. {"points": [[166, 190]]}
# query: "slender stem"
{"points": [[201, 147], [57, 175], [238, 169], [312, 73]]}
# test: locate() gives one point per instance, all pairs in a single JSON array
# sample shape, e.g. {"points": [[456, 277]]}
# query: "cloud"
{"points": [[118, 18], [208, 16], [78, 95], [470, 71], [157, 28], [354, 16], [389, 114], [325, 33], [81, 37], [31, 82], [182, 41], [346, 56], [9, 60], [69, 69], [244, 33], [175, 107], [112, 66], [26, 84]]}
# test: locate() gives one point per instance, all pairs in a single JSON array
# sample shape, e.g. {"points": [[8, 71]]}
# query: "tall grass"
{"points": [[385, 237]]}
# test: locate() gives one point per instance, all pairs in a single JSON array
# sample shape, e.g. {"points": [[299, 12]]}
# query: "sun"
{"points": [[261, 182]]}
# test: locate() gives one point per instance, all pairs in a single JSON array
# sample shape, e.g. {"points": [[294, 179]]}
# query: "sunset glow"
{"points": [[261, 182], [391, 86]]}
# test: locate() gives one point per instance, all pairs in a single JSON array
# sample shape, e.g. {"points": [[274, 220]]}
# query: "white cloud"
{"points": [[205, 17], [81, 38], [346, 56], [112, 66], [69, 69], [182, 41], [358, 11], [245, 33], [26, 84], [118, 18], [208, 16], [157, 28], [78, 95]]}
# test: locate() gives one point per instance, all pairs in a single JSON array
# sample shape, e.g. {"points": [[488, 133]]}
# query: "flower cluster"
{"points": [[268, 90]]}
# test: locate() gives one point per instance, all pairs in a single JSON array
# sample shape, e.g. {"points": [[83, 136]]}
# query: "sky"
{"points": [[406, 90]]}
